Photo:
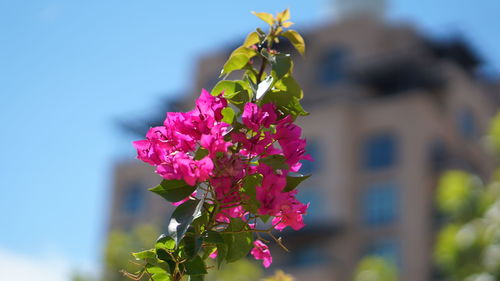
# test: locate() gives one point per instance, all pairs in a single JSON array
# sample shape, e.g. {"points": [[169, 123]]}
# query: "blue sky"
{"points": [[68, 69]]}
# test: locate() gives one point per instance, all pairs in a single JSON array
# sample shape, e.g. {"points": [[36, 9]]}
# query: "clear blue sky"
{"points": [[69, 68]]}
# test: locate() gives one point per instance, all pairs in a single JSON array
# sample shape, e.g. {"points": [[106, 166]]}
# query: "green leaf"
{"points": [[263, 87], [237, 60], [264, 218], [296, 40], [293, 180], [221, 253], [196, 266], [158, 273], [294, 108], [240, 98], [252, 39], [275, 161], [281, 65], [201, 222], [268, 18], [240, 243], [165, 242], [290, 86], [228, 115], [173, 190], [182, 217], [200, 154], [192, 245], [153, 264], [250, 183], [283, 16], [164, 255], [213, 237], [229, 87], [279, 98], [145, 255], [286, 103]]}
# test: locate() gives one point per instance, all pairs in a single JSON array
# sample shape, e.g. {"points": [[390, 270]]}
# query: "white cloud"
{"points": [[14, 266]]}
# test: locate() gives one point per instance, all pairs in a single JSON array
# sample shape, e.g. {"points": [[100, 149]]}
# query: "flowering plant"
{"points": [[231, 165]]}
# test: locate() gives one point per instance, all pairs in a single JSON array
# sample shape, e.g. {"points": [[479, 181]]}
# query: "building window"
{"points": [[380, 152], [309, 167], [308, 256], [134, 199], [385, 248], [332, 66], [380, 204], [467, 124]]}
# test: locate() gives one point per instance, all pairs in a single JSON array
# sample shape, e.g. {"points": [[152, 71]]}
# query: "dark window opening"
{"points": [[380, 152]]}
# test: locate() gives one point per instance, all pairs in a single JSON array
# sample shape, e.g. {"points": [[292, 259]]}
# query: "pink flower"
{"points": [[154, 147], [270, 194], [261, 252], [291, 213], [259, 144], [182, 166], [211, 105], [294, 148], [254, 117], [214, 142]]}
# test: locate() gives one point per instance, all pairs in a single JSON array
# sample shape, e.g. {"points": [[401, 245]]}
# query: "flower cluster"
{"points": [[199, 148]]}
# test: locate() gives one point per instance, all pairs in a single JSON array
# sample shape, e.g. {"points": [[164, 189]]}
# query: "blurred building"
{"points": [[390, 109]]}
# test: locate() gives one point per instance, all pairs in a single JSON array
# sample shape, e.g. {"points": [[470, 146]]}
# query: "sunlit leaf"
{"points": [[289, 85], [228, 87], [252, 39], [237, 60], [296, 40], [228, 115], [283, 16], [145, 255], [268, 18], [165, 242]]}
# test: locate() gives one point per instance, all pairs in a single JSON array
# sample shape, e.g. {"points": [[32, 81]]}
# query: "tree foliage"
{"points": [[468, 244]]}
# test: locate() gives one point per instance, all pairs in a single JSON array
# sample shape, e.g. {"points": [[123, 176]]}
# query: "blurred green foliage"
{"points": [[494, 135], [119, 246], [241, 270], [468, 244], [279, 276], [375, 269]]}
